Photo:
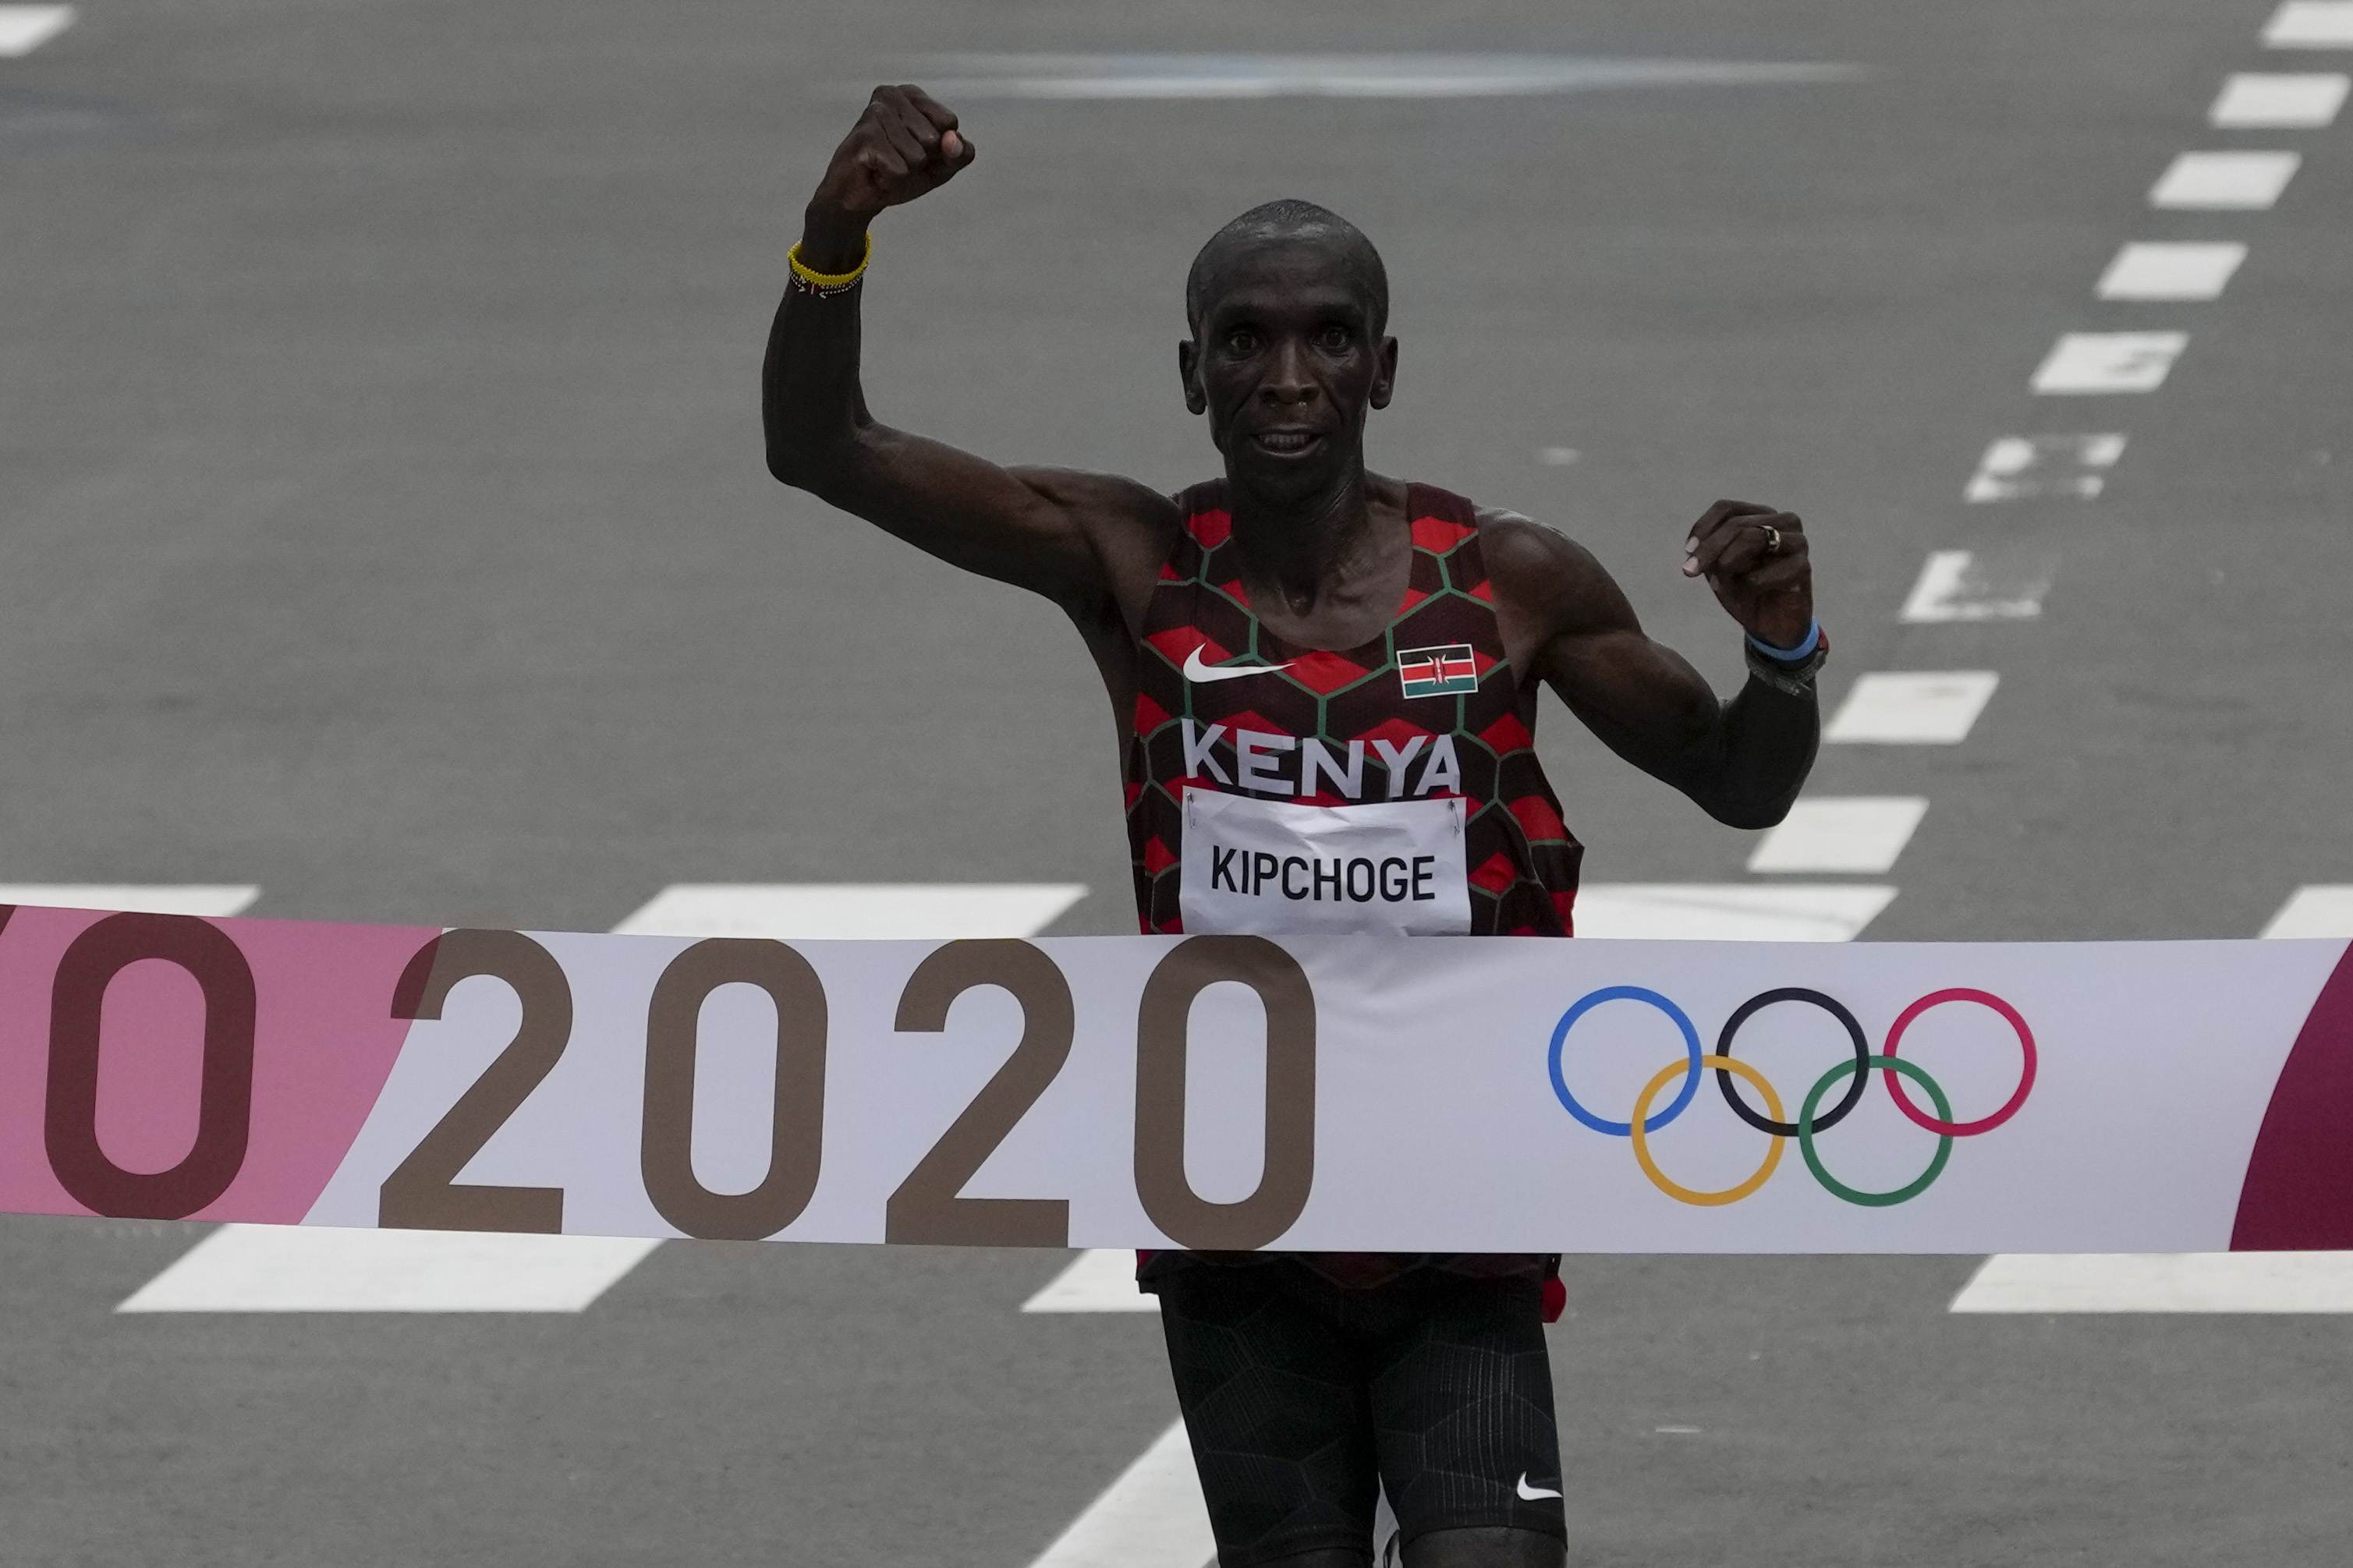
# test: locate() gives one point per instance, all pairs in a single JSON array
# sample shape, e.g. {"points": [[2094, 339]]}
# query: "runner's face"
{"points": [[1285, 365]]}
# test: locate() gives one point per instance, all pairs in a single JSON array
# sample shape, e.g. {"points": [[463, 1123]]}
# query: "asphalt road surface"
{"points": [[383, 523]]}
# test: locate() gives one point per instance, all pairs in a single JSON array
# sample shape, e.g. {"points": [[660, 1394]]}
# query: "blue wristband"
{"points": [[1790, 655]]}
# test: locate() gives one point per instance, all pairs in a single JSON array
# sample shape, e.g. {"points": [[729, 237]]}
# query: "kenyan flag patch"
{"points": [[1448, 671]]}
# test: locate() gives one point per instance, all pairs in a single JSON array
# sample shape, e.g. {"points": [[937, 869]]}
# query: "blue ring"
{"points": [[1585, 1005]]}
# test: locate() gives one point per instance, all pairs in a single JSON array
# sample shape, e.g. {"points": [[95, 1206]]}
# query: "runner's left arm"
{"points": [[1568, 623]]}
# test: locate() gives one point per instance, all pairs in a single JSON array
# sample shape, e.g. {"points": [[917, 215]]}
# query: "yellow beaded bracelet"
{"points": [[828, 282]]}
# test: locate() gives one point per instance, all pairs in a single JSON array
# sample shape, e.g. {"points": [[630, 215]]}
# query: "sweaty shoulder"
{"points": [[1547, 584], [1128, 526]]}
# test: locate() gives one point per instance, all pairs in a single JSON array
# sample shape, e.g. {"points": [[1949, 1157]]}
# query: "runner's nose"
{"points": [[1287, 381]]}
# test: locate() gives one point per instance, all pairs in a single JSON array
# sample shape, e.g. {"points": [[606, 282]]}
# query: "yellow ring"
{"points": [[1675, 1190]]}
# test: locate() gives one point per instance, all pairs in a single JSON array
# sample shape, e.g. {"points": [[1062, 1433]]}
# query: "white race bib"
{"points": [[1266, 868]]}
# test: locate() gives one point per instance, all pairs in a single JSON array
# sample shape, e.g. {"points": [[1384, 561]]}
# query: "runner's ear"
{"points": [[1385, 379], [1196, 400]]}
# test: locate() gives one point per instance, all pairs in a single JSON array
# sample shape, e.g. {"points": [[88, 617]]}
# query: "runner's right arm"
{"points": [[1062, 532]]}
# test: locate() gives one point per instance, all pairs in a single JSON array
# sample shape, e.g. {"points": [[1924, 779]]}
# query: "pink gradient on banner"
{"points": [[2298, 1195], [324, 1042]]}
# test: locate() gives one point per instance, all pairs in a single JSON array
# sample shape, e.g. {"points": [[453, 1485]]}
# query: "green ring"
{"points": [[1855, 1195]]}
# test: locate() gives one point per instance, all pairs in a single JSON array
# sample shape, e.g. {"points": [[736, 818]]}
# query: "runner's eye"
{"points": [[1334, 338], [1241, 341]]}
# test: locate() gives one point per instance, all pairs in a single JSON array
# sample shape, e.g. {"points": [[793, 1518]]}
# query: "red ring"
{"points": [[1983, 1124]]}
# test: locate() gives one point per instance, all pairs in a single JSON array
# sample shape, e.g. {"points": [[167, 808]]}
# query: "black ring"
{"points": [[1758, 1003]]}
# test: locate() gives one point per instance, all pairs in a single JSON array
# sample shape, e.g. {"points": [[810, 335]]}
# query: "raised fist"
{"points": [[1756, 559], [903, 146]]}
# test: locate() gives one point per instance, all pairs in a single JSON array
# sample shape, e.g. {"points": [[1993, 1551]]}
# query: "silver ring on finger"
{"points": [[1772, 539]]}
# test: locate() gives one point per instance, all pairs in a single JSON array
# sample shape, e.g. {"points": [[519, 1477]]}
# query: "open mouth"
{"points": [[1286, 443]]}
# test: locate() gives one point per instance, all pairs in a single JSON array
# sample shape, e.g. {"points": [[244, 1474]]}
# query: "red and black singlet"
{"points": [[1427, 707]]}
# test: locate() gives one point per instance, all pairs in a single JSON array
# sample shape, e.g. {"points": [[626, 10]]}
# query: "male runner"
{"points": [[1326, 682]]}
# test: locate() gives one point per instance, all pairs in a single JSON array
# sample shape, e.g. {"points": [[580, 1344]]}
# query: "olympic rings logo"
{"points": [[1812, 1119]]}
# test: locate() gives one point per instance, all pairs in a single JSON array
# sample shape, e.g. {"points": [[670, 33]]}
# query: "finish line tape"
{"points": [[1344, 1093]]}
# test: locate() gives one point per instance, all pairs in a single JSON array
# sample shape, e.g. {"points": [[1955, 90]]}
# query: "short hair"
{"points": [[1291, 218]]}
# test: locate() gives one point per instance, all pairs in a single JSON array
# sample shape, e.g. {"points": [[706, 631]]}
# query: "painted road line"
{"points": [[2160, 1282], [2311, 25], [1840, 833], [2223, 181], [2089, 362], [2315, 912], [2279, 100], [291, 1269], [1912, 707], [24, 29], [214, 901], [2038, 467], [276, 1268], [1142, 77], [1099, 1279], [808, 912], [1152, 1517], [1955, 585], [2171, 270], [1727, 911]]}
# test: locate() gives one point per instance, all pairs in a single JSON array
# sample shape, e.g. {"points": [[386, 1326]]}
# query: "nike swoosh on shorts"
{"points": [[1530, 1494], [1202, 674]]}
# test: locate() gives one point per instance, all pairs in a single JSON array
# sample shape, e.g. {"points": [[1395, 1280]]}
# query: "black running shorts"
{"points": [[1299, 1394]]}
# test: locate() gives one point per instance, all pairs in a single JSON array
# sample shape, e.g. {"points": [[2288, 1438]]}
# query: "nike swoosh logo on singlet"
{"points": [[1202, 674], [1530, 1494]]}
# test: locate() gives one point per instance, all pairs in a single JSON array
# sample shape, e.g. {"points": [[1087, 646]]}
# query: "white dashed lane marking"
{"points": [[1142, 77], [214, 901], [2260, 101], [2171, 270], [2223, 181], [1151, 1517], [24, 29], [1955, 585], [1727, 911], [2311, 25], [286, 1269], [1840, 833], [2160, 1282], [2317, 911], [2038, 467], [293, 1268], [1099, 1279], [810, 912], [2082, 363], [1912, 707]]}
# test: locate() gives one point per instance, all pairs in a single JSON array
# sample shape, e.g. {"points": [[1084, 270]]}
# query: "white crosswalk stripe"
{"points": [[279, 1269]]}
